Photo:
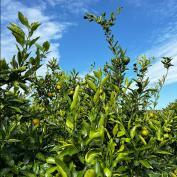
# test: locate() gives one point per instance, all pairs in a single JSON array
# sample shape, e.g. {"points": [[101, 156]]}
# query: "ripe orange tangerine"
{"points": [[36, 122], [49, 94]]}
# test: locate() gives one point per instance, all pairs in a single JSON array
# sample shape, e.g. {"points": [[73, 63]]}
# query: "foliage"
{"points": [[65, 125], [172, 107]]}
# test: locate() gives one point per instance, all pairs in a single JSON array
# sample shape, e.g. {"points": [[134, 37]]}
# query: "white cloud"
{"points": [[165, 49], [50, 30], [164, 38]]}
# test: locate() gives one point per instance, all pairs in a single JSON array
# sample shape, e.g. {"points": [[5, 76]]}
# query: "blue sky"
{"points": [[144, 27]]}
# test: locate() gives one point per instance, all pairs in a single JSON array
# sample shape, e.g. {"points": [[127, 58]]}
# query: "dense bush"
{"points": [[173, 107], [63, 125]]}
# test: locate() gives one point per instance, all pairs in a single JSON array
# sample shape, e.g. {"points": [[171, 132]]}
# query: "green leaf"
{"points": [[13, 140], [15, 108], [115, 130], [97, 167], [111, 147], [20, 69], [34, 27], [24, 87], [40, 156], [133, 132], [23, 19], [91, 85], [14, 62], [28, 174], [3, 64], [142, 140], [98, 73], [39, 47], [50, 160], [33, 41], [121, 133], [120, 157], [122, 169], [75, 97], [48, 175], [69, 150], [46, 46], [30, 72], [69, 123], [76, 92], [91, 156], [62, 168], [51, 170], [122, 147], [154, 175], [107, 172], [105, 80], [96, 96], [18, 33], [36, 168], [163, 152], [145, 163], [94, 134]]}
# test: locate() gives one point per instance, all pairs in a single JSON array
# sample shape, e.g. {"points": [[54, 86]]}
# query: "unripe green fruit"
{"points": [[151, 115], [58, 87], [166, 135], [71, 92], [172, 174], [175, 171], [144, 132], [90, 173], [107, 172]]}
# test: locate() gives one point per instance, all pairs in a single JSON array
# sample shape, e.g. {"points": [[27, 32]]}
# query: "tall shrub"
{"points": [[65, 125]]}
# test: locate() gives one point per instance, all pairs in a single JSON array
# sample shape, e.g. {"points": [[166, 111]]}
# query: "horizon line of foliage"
{"points": [[102, 125]]}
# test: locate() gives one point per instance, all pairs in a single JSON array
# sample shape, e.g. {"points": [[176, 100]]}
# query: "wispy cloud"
{"points": [[50, 30], [73, 6], [158, 11], [136, 3], [156, 71], [165, 8], [164, 38]]}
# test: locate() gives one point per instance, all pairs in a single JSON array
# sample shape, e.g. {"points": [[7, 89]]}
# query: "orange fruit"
{"points": [[36, 121], [49, 94]]}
